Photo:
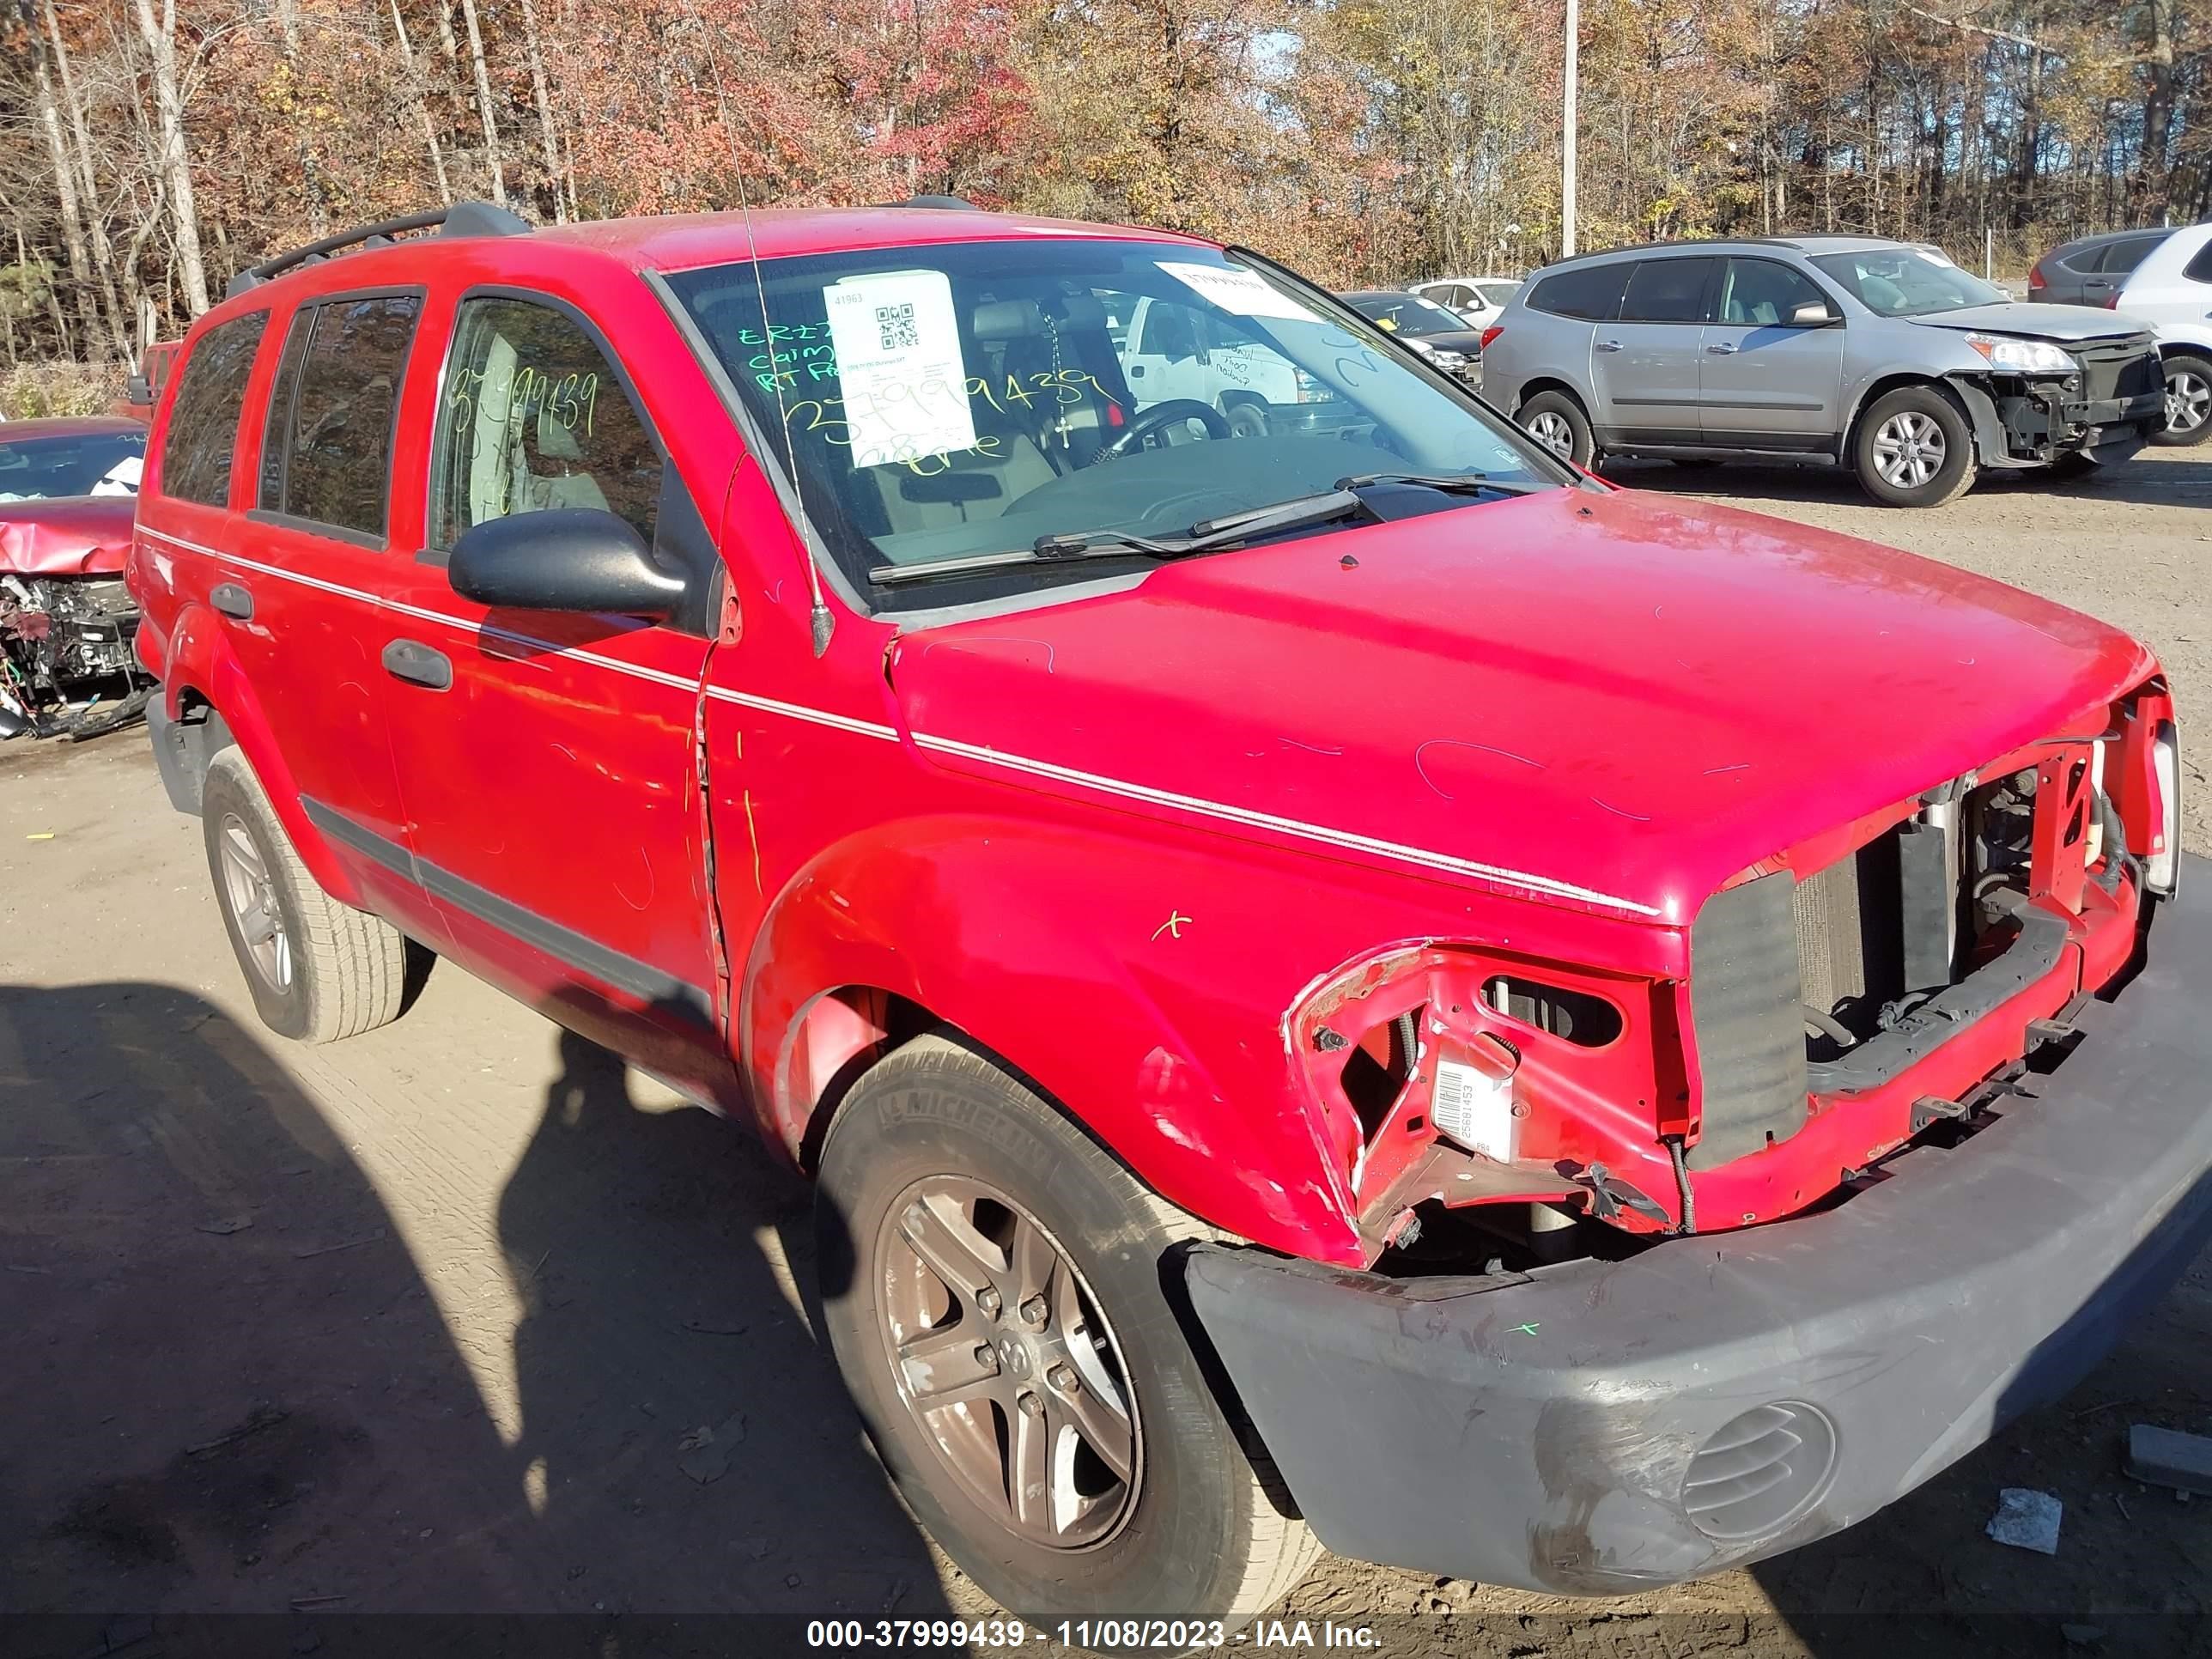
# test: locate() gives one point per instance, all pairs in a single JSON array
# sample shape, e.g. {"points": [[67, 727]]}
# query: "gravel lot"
{"points": [[458, 1315]]}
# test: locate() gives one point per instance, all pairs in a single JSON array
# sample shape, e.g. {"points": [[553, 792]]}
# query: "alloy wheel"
{"points": [[2188, 400], [252, 896], [1551, 429], [1000, 1352], [1909, 449]]}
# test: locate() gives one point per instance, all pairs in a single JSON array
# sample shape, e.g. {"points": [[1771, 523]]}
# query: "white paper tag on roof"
{"points": [[1240, 293], [904, 381]]}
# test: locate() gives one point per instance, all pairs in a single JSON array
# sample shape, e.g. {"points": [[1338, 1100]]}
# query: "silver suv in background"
{"points": [[1874, 354]]}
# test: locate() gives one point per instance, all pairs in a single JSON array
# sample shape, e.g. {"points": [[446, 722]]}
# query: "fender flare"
{"points": [[939, 912], [198, 659]]}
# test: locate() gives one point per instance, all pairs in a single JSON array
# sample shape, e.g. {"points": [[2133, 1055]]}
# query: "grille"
{"points": [[1759, 1471], [2120, 368]]}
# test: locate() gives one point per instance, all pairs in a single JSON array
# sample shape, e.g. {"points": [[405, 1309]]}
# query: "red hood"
{"points": [[1578, 696], [72, 536]]}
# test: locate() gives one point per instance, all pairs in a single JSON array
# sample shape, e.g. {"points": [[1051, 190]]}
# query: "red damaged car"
{"points": [[68, 489], [1339, 980]]}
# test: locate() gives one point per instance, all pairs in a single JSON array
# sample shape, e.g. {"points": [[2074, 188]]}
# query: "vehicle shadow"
{"points": [[230, 1387], [2150, 480], [692, 1443]]}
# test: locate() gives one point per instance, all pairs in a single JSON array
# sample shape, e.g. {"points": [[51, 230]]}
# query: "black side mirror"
{"points": [[567, 558], [139, 391]]}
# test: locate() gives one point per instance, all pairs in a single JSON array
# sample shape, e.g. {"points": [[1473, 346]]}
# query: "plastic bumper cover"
{"points": [[1539, 1431]]}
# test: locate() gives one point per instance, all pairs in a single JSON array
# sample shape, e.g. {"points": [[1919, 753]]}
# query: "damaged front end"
{"points": [[2039, 402], [66, 667], [67, 619], [1947, 1042], [1875, 986]]}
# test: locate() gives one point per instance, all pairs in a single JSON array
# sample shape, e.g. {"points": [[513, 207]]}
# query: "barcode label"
{"points": [[896, 325], [1474, 1109]]}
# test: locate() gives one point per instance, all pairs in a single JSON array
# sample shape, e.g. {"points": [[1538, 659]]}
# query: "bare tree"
{"points": [[80, 261], [484, 102], [552, 139], [416, 96], [160, 36]]}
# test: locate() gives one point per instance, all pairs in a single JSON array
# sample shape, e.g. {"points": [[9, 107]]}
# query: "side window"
{"points": [[204, 419], [1590, 293], [1668, 291], [1170, 331], [2123, 257], [2199, 268], [338, 397], [1758, 291], [533, 416]]}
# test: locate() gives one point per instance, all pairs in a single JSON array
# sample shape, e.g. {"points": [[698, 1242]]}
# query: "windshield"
{"points": [[1903, 281], [1408, 314], [85, 464], [946, 402]]}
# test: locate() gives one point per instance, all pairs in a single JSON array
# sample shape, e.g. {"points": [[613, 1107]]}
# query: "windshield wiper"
{"points": [[1473, 482], [1208, 533]]}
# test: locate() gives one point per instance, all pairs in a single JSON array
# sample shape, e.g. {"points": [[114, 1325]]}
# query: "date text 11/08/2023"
{"points": [[1170, 1635]]}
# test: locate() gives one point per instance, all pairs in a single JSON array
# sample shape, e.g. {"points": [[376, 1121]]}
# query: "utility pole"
{"points": [[1567, 145]]}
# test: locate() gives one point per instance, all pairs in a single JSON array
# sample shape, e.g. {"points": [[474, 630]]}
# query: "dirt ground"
{"points": [[460, 1316]]}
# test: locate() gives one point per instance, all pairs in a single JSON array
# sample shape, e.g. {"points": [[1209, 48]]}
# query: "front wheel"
{"points": [[992, 1283], [1913, 449], [2188, 401]]}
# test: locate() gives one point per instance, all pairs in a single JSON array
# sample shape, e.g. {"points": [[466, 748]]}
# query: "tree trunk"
{"points": [[160, 36], [551, 138], [80, 262], [95, 220], [416, 96], [484, 102], [2154, 172]]}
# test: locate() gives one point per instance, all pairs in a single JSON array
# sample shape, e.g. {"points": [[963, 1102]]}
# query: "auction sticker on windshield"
{"points": [[1240, 293], [899, 357]]}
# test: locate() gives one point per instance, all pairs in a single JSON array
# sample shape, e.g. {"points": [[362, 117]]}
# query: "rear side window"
{"points": [[1591, 293], [2124, 256], [1668, 291], [204, 419], [533, 416], [327, 457], [2199, 268]]}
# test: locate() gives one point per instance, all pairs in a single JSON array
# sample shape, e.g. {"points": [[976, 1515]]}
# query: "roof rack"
{"points": [[957, 203], [1681, 241], [461, 219]]}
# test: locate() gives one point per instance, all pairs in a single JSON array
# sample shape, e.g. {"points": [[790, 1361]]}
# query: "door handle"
{"points": [[232, 600], [412, 660], [1721, 348], [1606, 345]]}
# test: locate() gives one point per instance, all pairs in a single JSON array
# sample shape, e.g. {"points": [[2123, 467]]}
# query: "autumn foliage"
{"points": [[157, 146]]}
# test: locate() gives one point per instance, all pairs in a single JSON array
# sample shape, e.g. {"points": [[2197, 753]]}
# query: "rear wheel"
{"points": [[2188, 400], [1556, 421], [1912, 449], [319, 969], [992, 1283]]}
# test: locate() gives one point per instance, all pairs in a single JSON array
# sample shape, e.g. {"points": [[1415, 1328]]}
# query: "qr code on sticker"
{"points": [[895, 325]]}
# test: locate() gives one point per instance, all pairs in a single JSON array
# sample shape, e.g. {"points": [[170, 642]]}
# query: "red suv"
{"points": [[1338, 978]]}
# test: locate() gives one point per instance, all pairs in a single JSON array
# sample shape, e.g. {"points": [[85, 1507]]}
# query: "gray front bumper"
{"points": [[1536, 1430]]}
